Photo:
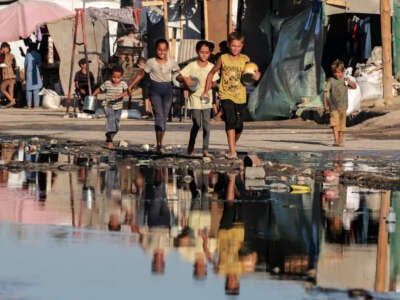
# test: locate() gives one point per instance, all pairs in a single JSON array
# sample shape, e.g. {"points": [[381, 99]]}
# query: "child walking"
{"points": [[160, 69], [336, 100], [115, 90], [232, 91], [200, 107]]}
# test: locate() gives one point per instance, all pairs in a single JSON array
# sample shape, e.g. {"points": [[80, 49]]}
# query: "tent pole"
{"points": [[72, 58], [386, 48]]}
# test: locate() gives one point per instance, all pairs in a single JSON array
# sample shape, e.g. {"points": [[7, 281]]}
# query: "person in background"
{"points": [[336, 100], [128, 40], [160, 69], [201, 110], [115, 90], [33, 80], [81, 81], [232, 91], [8, 74]]}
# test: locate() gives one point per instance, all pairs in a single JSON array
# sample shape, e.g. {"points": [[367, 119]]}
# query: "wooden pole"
{"points": [[165, 6], [386, 48], [205, 7], [230, 27], [383, 237]]}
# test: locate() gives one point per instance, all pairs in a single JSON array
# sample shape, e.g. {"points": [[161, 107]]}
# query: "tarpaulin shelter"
{"points": [[21, 18], [97, 45], [295, 70]]}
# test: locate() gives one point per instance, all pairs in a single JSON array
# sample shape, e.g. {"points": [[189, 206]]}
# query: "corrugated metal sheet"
{"points": [[357, 6], [187, 50]]}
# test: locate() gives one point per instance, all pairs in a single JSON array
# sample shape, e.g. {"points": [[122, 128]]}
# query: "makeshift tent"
{"points": [[295, 70], [97, 46]]}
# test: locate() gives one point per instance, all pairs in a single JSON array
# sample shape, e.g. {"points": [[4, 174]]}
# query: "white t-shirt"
{"points": [[161, 72], [193, 69]]}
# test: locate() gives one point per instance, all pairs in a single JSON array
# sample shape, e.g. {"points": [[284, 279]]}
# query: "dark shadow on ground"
{"points": [[298, 142], [321, 117]]}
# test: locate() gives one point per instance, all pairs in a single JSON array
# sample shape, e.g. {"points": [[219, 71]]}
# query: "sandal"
{"points": [[208, 154], [230, 156]]}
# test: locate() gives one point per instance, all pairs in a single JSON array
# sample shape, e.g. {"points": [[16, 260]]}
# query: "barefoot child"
{"points": [[232, 91], [201, 110], [335, 98], [115, 90], [160, 69]]}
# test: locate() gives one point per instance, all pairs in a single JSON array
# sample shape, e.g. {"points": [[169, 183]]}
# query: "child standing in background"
{"points": [[115, 90], [200, 107], [232, 91], [336, 100], [160, 69], [81, 81]]}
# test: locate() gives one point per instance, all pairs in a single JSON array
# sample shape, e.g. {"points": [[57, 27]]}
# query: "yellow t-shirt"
{"points": [[229, 243], [231, 86]]}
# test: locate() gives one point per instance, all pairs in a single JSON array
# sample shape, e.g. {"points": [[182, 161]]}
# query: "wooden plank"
{"points": [[205, 7], [383, 237], [340, 3], [152, 3], [217, 18], [386, 32], [166, 19]]}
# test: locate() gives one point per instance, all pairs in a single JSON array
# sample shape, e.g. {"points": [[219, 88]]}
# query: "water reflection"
{"points": [[232, 224]]}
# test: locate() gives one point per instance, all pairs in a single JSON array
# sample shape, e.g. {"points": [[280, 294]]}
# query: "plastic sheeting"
{"points": [[295, 70]]}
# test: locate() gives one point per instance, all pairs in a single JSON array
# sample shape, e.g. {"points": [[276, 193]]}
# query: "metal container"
{"points": [[196, 84], [205, 100], [88, 196], [89, 104], [248, 73]]}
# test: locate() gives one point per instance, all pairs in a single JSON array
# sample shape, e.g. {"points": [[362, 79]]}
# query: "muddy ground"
{"points": [[373, 135]]}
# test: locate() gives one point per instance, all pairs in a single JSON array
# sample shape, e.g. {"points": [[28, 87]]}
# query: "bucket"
{"points": [[89, 105], [88, 196], [248, 72]]}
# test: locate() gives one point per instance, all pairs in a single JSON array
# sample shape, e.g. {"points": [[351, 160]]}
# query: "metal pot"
{"points": [[88, 196], [205, 100], [89, 105], [248, 72]]}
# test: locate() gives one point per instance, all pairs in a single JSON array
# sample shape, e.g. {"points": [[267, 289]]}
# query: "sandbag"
{"points": [[131, 114], [354, 98], [51, 99]]}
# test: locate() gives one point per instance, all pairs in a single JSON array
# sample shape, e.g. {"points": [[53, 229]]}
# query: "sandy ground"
{"points": [[371, 133]]}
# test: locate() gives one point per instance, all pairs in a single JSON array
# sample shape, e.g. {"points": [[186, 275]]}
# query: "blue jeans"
{"points": [[35, 98], [112, 123], [161, 101]]}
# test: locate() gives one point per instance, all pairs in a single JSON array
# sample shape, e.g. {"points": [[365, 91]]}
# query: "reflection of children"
{"points": [[160, 69], [335, 97], [154, 230], [234, 258], [232, 91], [201, 112], [115, 90], [82, 82]]}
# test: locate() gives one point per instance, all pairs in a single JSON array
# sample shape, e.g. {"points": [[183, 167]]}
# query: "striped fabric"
{"points": [[114, 90]]}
